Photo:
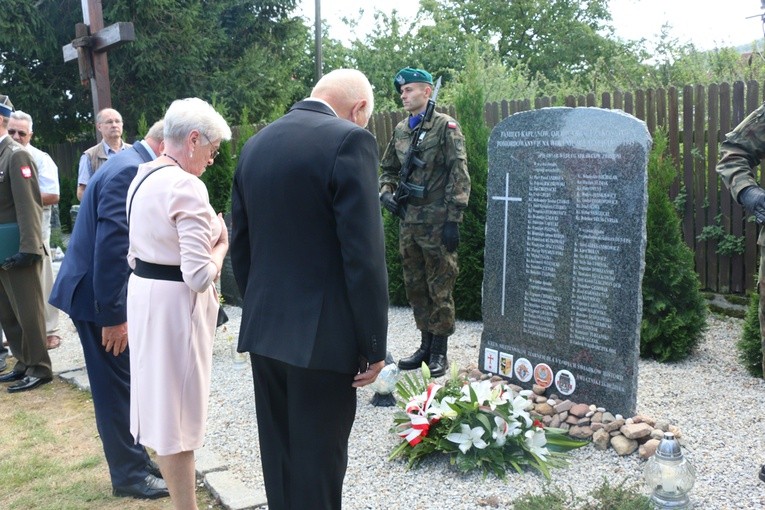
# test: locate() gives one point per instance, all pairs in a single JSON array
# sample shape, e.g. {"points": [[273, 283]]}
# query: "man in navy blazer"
{"points": [[91, 287], [308, 257]]}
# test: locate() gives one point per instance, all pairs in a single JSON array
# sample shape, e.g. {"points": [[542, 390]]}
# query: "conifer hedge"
{"points": [[750, 344], [674, 310]]}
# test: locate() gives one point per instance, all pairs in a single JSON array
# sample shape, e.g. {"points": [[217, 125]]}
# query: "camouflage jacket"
{"points": [[741, 153], [445, 175]]}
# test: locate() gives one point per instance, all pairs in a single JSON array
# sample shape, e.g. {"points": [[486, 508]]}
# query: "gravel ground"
{"points": [[716, 404]]}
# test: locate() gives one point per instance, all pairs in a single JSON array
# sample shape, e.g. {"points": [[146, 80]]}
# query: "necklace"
{"points": [[175, 160]]}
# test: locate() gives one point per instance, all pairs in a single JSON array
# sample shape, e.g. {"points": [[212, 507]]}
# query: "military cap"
{"points": [[6, 107], [411, 75]]}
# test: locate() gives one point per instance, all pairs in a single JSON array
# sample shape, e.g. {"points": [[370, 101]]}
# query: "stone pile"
{"points": [[589, 422]]}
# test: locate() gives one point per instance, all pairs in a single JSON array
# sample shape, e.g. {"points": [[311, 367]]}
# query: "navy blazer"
{"points": [[307, 246], [92, 282]]}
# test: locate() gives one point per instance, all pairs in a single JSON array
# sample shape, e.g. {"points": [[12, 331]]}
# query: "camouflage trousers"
{"points": [[761, 289], [429, 275]]}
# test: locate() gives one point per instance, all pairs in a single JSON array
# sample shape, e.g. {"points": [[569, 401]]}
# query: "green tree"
{"points": [[750, 346], [218, 178], [388, 48], [674, 311], [561, 39], [245, 52], [33, 73], [470, 97]]}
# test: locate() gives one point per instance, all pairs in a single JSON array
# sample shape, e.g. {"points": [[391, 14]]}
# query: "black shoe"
{"points": [[762, 473], [438, 362], [415, 361], [150, 488], [153, 469], [28, 383], [11, 376]]}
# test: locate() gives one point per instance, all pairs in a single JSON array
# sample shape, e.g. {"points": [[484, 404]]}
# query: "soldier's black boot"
{"points": [[438, 362], [422, 354]]}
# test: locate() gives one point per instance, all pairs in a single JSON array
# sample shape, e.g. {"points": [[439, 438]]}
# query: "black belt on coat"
{"points": [[157, 271]]}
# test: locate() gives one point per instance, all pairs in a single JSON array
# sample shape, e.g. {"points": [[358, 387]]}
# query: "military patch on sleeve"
{"points": [[451, 124], [26, 172]]}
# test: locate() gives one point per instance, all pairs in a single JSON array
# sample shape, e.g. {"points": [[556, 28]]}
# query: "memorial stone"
{"points": [[564, 255]]}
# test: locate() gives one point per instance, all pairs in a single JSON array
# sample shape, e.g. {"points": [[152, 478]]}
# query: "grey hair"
{"points": [[186, 115], [156, 131], [19, 115]]}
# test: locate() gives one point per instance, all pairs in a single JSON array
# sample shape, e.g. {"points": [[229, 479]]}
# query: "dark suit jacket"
{"points": [[92, 282], [307, 244]]}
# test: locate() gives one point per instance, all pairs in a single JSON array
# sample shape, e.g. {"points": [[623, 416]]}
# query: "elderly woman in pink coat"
{"points": [[177, 246]]}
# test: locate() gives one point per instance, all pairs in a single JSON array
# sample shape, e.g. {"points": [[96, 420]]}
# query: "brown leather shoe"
{"points": [[53, 341]]}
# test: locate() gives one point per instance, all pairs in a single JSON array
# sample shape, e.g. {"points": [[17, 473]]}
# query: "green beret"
{"points": [[411, 75]]}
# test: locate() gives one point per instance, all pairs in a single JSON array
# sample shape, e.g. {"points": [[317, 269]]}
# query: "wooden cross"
{"points": [[90, 47]]}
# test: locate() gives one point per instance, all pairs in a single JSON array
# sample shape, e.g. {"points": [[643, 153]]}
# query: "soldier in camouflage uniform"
{"points": [[429, 230], [741, 153]]}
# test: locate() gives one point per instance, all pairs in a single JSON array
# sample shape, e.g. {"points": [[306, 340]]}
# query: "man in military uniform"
{"points": [[740, 155], [20, 129], [429, 229], [22, 306]]}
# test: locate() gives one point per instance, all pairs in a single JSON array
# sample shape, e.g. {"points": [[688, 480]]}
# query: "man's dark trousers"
{"points": [[319, 400], [109, 377]]}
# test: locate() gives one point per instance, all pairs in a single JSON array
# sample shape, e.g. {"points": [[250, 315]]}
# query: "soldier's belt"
{"points": [[431, 196]]}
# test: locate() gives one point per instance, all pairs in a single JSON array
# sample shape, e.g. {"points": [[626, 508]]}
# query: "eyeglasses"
{"points": [[215, 151], [22, 134]]}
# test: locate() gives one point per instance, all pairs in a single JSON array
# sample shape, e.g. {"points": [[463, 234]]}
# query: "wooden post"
{"points": [[90, 48]]}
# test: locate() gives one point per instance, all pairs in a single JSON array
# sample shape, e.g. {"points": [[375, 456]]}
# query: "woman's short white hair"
{"points": [[185, 115]]}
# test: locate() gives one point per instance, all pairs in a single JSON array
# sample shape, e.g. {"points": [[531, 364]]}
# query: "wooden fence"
{"points": [[696, 119]]}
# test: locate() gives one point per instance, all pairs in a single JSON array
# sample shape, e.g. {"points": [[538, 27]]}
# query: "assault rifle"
{"points": [[412, 160]]}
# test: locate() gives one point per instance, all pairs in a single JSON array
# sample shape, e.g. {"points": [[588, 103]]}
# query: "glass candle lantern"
{"points": [[669, 475]]}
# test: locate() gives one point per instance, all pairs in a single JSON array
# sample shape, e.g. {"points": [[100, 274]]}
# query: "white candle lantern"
{"points": [[669, 475]]}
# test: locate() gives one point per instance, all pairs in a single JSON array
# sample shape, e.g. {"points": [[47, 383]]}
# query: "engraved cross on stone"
{"points": [[506, 199], [90, 47]]}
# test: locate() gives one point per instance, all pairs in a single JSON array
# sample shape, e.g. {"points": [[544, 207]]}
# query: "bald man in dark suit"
{"points": [[309, 260]]}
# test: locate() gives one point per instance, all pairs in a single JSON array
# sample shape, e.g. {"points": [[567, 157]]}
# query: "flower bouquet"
{"points": [[480, 424]]}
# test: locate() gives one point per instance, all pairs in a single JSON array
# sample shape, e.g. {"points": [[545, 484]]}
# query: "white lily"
{"points": [[482, 391], [485, 393], [468, 438], [519, 406], [500, 433], [536, 441], [444, 410]]}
